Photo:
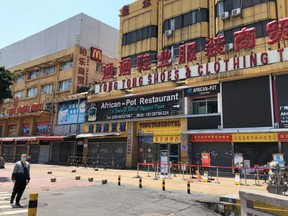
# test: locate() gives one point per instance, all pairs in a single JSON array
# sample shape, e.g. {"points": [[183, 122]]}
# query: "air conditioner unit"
{"points": [[236, 12], [168, 33], [229, 46], [224, 15]]}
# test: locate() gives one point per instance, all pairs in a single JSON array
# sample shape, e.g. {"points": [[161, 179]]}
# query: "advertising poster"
{"points": [[205, 157], [280, 159], [68, 112], [164, 162], [238, 160], [26, 129], [42, 128]]}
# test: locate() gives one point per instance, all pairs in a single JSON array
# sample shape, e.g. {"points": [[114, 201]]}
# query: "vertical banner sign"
{"points": [[164, 161], [205, 157], [129, 138]]}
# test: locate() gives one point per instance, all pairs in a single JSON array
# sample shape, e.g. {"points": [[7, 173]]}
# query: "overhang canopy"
{"points": [[31, 138], [91, 135]]}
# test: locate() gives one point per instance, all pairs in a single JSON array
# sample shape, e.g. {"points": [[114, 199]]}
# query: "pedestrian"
{"points": [[20, 178]]}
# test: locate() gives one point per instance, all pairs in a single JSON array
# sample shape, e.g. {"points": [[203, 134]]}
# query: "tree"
{"points": [[6, 80]]}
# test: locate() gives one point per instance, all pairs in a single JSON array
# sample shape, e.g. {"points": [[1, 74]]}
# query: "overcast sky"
{"points": [[20, 19]]}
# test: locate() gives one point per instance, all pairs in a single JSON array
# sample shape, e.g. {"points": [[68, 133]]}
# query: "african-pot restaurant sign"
{"points": [[146, 106], [243, 39]]}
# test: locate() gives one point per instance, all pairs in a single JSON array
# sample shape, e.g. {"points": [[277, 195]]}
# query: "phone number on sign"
{"points": [[157, 113]]}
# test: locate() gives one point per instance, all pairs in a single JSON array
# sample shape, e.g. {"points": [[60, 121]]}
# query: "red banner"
{"points": [[205, 158], [211, 138], [283, 137]]}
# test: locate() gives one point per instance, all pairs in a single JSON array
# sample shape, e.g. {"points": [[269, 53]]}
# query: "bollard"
{"points": [[140, 182], [137, 176], [73, 171], [33, 201], [217, 174], [119, 180], [49, 172], [77, 177], [163, 184], [188, 187], [148, 171], [245, 177], [104, 181], [90, 179], [53, 179], [156, 168]]}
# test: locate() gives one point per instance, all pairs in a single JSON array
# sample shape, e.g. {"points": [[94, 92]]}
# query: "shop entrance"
{"points": [[172, 148]]}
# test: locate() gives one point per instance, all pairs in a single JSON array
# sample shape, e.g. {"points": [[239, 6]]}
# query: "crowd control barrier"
{"points": [[206, 173]]}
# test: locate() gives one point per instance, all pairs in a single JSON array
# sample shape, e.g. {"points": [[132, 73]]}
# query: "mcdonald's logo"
{"points": [[96, 54]]}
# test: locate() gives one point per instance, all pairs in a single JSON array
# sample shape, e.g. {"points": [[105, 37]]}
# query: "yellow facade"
{"points": [[43, 82], [160, 13]]}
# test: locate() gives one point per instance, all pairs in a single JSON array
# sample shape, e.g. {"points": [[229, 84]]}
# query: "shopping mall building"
{"points": [[194, 77]]}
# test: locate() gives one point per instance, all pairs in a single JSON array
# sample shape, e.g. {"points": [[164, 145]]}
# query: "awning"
{"points": [[31, 138], [91, 135], [6, 139], [52, 138]]}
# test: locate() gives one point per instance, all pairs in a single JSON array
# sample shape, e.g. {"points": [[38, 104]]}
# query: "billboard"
{"points": [[68, 112], [145, 106]]}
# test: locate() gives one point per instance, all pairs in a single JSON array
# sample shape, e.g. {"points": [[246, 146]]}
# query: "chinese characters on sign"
{"points": [[35, 107], [244, 39], [211, 138], [106, 127], [125, 10], [255, 137], [214, 46], [83, 67], [125, 67], [277, 30], [107, 71]]}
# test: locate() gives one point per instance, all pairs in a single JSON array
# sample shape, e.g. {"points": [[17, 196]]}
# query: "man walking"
{"points": [[20, 178]]}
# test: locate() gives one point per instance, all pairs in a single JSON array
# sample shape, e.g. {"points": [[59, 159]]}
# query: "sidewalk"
{"points": [[65, 178]]}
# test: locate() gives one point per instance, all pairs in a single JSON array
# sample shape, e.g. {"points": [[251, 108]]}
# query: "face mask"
{"points": [[23, 159]]}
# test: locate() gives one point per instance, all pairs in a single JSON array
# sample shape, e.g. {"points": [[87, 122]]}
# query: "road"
{"points": [[109, 199]]}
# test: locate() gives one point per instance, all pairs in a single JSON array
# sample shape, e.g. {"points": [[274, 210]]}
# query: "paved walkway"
{"points": [[65, 178]]}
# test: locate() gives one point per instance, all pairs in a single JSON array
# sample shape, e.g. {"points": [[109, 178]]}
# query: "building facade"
{"points": [[195, 78], [54, 70]]}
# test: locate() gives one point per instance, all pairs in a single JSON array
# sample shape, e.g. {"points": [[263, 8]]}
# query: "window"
{"points": [[186, 19], [47, 89], [64, 85], [139, 34], [19, 94], [98, 67], [49, 70], [66, 65], [20, 78], [34, 74], [32, 92], [205, 105]]}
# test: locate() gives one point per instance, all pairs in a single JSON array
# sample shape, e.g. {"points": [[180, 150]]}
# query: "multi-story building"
{"points": [[54, 70], [202, 81]]}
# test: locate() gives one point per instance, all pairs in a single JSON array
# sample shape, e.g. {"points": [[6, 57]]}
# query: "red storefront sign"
{"points": [[35, 107], [283, 137], [211, 138], [205, 159]]}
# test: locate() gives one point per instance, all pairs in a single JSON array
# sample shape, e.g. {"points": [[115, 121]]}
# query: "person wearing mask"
{"points": [[20, 178]]}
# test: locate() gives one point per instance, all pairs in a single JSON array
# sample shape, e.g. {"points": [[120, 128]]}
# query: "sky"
{"points": [[20, 19]]}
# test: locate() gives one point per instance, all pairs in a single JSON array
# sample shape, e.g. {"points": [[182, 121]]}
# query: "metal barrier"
{"points": [[196, 169]]}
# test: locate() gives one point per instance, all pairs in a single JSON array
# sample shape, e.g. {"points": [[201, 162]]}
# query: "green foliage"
{"points": [[6, 80]]}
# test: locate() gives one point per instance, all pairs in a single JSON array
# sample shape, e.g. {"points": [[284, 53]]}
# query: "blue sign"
{"points": [[68, 112]]}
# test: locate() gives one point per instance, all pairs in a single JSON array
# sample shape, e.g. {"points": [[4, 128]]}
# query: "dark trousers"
{"points": [[18, 190]]}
